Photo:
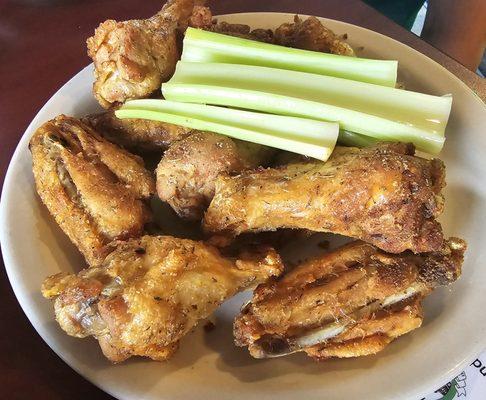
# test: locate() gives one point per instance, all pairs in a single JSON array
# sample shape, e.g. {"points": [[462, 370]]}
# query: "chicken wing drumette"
{"points": [[132, 58], [383, 195], [94, 189], [189, 168], [150, 292], [350, 302]]}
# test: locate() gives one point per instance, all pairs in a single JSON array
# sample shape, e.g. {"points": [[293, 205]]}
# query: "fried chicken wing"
{"points": [[188, 169], [136, 134], [150, 292], [311, 34], [133, 58], [350, 302], [93, 188], [383, 195]]}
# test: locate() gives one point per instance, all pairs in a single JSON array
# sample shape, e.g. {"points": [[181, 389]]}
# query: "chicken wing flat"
{"points": [[187, 172], [136, 134], [383, 195], [350, 302], [133, 58], [150, 292], [93, 188]]}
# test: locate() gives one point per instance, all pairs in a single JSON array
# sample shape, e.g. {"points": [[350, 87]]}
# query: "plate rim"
{"points": [[7, 247]]}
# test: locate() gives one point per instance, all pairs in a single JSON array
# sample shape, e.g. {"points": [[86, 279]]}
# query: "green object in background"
{"points": [[403, 12]]}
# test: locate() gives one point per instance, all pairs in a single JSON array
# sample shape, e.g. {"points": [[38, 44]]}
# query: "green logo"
{"points": [[457, 387]]}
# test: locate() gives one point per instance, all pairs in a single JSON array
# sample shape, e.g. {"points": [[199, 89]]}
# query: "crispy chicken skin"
{"points": [[150, 292], [133, 58], [201, 17], [349, 302], [383, 195], [136, 134], [93, 188], [311, 34], [189, 168]]}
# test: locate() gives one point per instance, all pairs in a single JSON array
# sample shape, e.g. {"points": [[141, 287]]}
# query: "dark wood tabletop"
{"points": [[42, 45]]}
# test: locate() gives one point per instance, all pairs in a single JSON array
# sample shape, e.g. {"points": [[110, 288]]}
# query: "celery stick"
{"points": [[203, 46], [423, 111], [313, 138], [307, 149], [354, 121], [347, 138], [317, 132]]}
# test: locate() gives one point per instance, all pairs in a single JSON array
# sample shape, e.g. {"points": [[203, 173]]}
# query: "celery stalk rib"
{"points": [[423, 111], [354, 121], [314, 138], [354, 139], [204, 46], [318, 132]]}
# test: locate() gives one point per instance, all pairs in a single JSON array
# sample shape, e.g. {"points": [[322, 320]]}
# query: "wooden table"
{"points": [[42, 45]]}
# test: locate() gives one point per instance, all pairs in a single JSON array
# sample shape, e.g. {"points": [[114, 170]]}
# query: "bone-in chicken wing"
{"points": [[150, 292], [382, 194], [136, 134], [133, 58], [93, 188], [350, 302], [188, 169]]}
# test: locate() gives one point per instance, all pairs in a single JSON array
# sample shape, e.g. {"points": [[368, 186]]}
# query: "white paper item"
{"points": [[468, 385]]}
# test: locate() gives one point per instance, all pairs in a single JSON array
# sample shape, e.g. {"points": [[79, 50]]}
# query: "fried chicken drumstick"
{"points": [[133, 58], [350, 302], [383, 195], [94, 189], [150, 292]]}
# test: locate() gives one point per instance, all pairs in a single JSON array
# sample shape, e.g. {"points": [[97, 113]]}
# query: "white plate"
{"points": [[209, 366]]}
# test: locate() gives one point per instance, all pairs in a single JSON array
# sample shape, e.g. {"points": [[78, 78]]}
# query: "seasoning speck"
{"points": [[209, 326]]}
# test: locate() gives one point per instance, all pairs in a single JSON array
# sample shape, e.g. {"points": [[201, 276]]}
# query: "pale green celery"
{"points": [[354, 121], [422, 111], [203, 46], [354, 139], [308, 137], [318, 132], [308, 149]]}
